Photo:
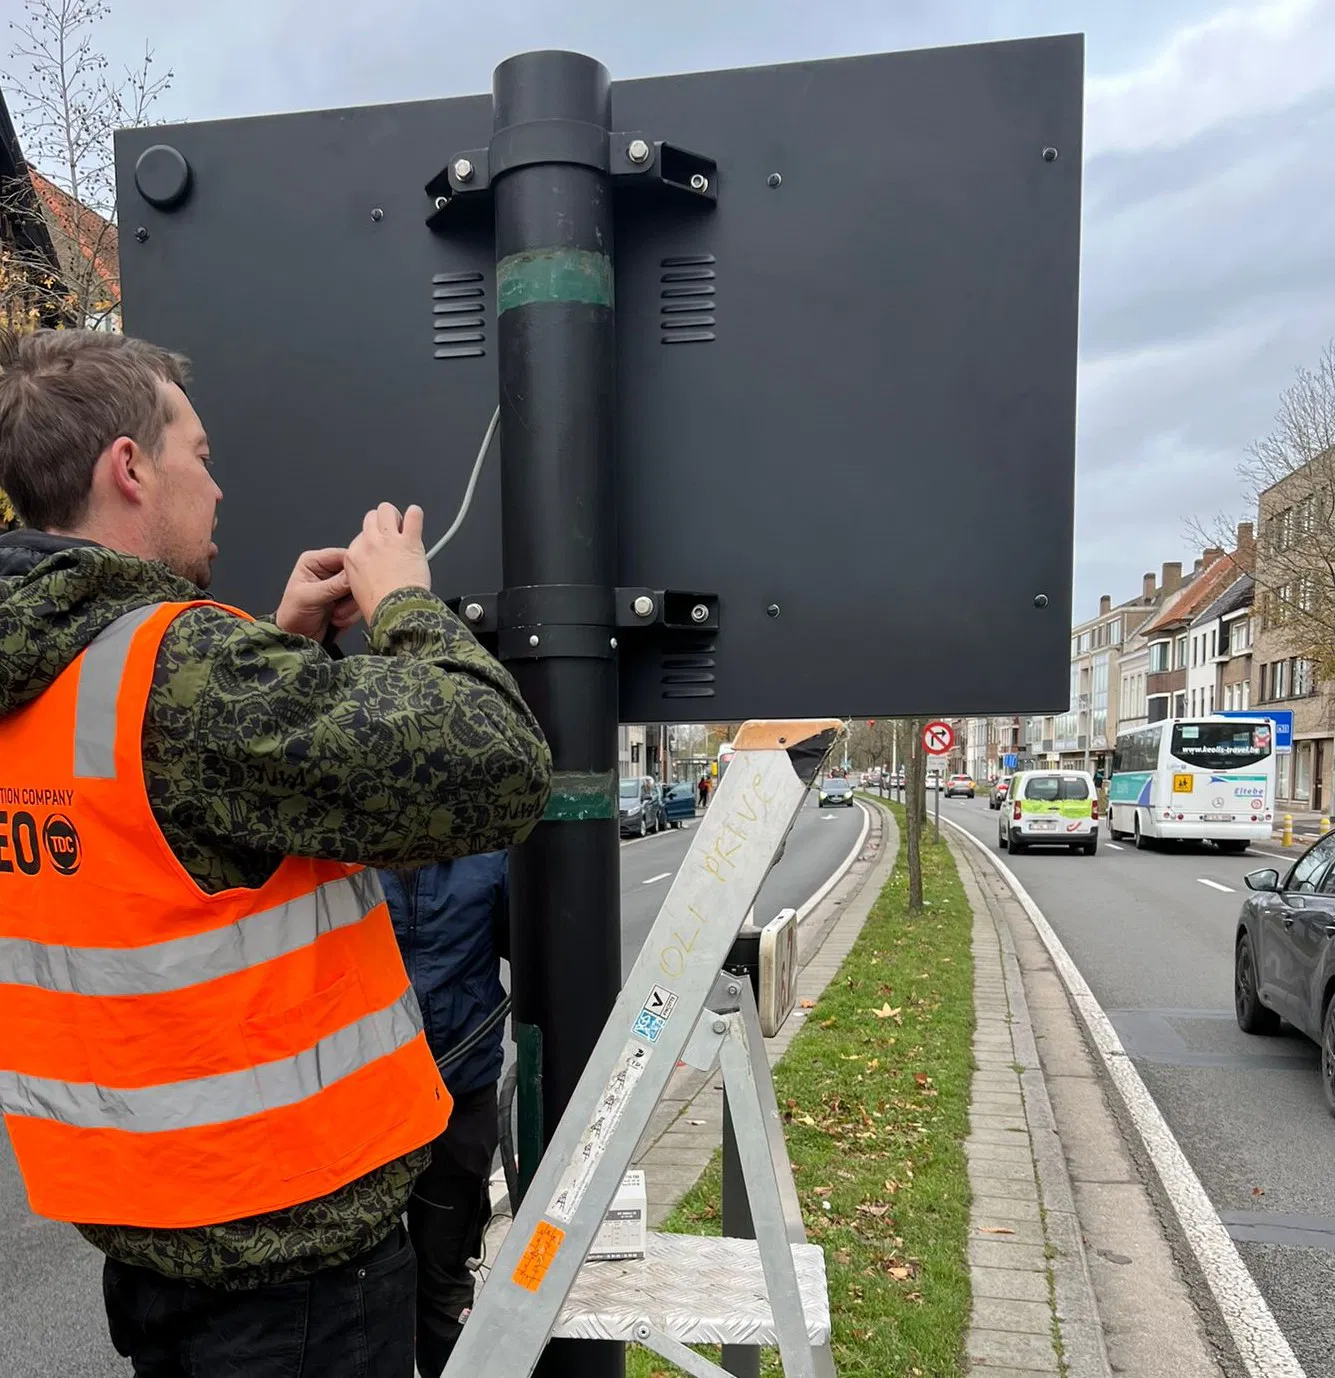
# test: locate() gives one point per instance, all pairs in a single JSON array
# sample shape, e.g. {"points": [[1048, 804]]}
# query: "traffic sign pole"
{"points": [[937, 739]]}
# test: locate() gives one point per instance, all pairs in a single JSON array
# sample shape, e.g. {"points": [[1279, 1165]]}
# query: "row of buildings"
{"points": [[1198, 641]]}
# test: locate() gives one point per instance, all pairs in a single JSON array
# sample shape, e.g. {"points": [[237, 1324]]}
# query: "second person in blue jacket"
{"points": [[452, 922]]}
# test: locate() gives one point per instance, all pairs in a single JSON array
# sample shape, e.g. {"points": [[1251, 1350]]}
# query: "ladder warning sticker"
{"points": [[574, 1181], [656, 1012], [537, 1258]]}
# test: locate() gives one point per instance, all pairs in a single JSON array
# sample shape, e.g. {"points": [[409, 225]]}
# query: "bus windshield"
{"points": [[1220, 745]]}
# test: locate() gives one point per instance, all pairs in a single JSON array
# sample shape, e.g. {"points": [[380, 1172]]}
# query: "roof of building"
{"points": [[1181, 609], [83, 239], [1236, 596]]}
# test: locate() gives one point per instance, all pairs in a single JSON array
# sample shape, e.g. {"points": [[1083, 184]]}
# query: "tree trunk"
{"points": [[915, 811]]}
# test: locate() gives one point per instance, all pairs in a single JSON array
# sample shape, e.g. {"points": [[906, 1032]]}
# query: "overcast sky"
{"points": [[1208, 270]]}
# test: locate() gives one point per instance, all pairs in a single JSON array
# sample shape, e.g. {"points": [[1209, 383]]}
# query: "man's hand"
{"points": [[317, 595], [387, 555]]}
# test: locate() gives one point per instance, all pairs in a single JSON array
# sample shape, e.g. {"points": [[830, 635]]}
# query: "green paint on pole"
{"points": [[553, 275], [528, 1095], [580, 795]]}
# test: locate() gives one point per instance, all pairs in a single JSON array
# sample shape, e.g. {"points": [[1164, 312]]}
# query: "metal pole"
{"points": [[936, 810], [743, 1361], [556, 613]]}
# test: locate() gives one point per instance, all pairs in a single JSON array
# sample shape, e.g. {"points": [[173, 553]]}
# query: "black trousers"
{"points": [[354, 1321], [447, 1217]]}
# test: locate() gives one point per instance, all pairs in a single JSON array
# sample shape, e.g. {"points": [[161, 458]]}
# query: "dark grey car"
{"points": [[1284, 953]]}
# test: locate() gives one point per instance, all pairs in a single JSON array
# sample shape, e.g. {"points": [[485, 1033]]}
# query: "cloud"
{"points": [[1229, 68], [1208, 274]]}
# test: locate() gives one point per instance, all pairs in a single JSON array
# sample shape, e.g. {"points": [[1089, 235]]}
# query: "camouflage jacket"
{"points": [[258, 745]]}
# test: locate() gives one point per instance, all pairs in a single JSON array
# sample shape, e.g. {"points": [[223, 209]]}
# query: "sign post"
{"points": [[937, 739]]}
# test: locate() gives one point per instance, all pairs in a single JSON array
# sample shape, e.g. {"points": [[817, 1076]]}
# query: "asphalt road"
{"points": [[52, 1324], [1155, 943]]}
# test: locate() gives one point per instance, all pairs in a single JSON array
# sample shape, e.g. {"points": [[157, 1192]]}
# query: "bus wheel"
{"points": [[1142, 842], [1234, 846]]}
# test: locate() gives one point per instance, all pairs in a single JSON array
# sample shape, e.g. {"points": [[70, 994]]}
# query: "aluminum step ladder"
{"points": [[677, 1004]]}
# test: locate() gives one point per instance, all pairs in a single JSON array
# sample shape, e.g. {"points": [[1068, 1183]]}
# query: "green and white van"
{"points": [[1050, 808]]}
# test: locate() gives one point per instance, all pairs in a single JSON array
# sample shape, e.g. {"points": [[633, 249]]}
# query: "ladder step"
{"points": [[697, 1290]]}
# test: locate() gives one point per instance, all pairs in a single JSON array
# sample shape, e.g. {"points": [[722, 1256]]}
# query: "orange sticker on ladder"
{"points": [[537, 1258]]}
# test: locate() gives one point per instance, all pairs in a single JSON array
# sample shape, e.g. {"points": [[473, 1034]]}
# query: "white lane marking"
{"points": [[840, 870], [653, 880], [825, 817], [1116, 847], [1264, 1350], [1215, 885]]}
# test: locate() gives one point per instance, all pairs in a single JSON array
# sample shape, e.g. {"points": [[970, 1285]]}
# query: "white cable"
{"points": [[468, 492]]}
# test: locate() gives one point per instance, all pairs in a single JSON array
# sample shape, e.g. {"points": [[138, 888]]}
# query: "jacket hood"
{"points": [[56, 594]]}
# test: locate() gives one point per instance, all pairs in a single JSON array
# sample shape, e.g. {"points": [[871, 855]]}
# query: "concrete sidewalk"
{"points": [[1071, 1270]]}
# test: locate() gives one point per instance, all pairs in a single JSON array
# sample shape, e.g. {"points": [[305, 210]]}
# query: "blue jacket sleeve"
{"points": [[500, 916]]}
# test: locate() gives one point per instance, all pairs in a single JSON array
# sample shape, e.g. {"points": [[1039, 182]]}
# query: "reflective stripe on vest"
{"points": [[185, 962], [99, 684], [171, 1058], [215, 1100]]}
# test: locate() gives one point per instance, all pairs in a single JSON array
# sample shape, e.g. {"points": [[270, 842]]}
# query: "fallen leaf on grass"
{"points": [[900, 1273], [868, 1209], [828, 1023], [885, 1012], [922, 1078], [822, 1191], [842, 1256], [994, 1229]]}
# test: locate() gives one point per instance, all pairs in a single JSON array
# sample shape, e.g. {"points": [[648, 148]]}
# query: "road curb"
{"points": [[687, 1130], [1074, 1304]]}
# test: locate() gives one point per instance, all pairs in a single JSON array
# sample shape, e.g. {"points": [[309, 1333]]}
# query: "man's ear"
{"points": [[122, 465]]}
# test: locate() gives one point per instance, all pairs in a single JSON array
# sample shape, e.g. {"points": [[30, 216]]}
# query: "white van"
{"points": [[1050, 808]]}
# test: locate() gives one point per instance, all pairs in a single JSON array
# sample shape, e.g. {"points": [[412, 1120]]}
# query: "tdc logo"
{"points": [[61, 840]]}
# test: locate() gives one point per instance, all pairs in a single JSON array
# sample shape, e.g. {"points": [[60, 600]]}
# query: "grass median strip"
{"points": [[875, 1093]]}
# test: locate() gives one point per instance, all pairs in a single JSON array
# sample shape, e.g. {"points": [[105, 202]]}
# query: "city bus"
{"points": [[1207, 779]]}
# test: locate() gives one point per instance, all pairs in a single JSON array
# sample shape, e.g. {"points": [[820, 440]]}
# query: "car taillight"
{"points": [[1016, 814], [1094, 811]]}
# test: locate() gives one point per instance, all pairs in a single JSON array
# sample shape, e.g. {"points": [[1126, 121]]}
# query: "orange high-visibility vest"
{"points": [[170, 1058]]}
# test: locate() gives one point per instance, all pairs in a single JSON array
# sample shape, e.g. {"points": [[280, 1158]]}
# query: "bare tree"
{"points": [[67, 105], [1289, 479]]}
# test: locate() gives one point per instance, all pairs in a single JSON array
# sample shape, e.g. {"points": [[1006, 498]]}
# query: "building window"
{"points": [[1211, 707], [1180, 662], [1180, 707], [1283, 761], [1214, 643], [1302, 776], [1158, 657], [1246, 687], [1302, 678]]}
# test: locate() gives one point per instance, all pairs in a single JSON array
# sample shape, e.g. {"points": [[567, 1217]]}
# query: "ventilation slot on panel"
{"points": [[686, 313], [459, 315], [689, 676]]}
